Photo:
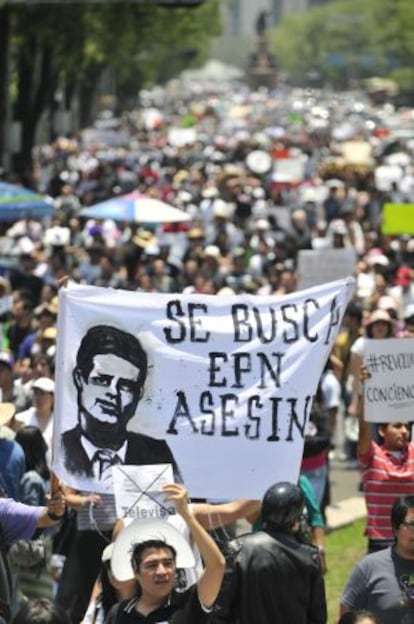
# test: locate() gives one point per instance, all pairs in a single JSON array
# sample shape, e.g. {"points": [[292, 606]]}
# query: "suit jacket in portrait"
{"points": [[141, 450]]}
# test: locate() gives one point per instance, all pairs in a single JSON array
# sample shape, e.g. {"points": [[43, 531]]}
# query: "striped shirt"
{"points": [[386, 475]]}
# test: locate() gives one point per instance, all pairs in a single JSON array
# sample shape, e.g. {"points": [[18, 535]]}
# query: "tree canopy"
{"points": [[346, 40], [45, 44]]}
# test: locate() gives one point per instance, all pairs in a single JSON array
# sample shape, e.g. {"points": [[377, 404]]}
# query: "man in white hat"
{"points": [[154, 564]]}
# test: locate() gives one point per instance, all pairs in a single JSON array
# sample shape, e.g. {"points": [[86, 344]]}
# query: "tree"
{"points": [[76, 42], [347, 39]]}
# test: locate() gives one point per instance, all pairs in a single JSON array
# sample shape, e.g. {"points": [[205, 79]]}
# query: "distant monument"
{"points": [[261, 68]]}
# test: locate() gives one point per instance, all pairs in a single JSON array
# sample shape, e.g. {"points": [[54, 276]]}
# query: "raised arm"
{"points": [[209, 583], [213, 516], [364, 436]]}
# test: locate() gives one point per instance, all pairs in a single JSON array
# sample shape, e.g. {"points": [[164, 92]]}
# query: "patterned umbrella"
{"points": [[135, 208], [17, 202]]}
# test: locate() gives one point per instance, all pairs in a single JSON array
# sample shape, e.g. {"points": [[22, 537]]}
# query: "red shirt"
{"points": [[386, 475]]}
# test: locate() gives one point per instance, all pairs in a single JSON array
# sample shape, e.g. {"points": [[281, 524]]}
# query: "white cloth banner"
{"points": [[219, 386], [389, 392]]}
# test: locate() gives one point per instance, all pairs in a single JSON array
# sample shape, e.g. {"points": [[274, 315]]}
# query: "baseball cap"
{"points": [[379, 315], [403, 276], [45, 384]]}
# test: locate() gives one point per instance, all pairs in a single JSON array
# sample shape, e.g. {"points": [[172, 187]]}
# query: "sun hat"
{"points": [[45, 384], [141, 531], [7, 411]]}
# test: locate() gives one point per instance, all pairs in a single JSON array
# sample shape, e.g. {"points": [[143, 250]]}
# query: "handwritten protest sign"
{"points": [[220, 387], [389, 393], [138, 493], [325, 265]]}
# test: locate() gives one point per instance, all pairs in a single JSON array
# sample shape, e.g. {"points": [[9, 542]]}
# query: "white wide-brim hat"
{"points": [[141, 531]]}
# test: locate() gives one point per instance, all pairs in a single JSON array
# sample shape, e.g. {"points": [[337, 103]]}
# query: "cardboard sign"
{"points": [[138, 492], [319, 266], [389, 393], [398, 219]]}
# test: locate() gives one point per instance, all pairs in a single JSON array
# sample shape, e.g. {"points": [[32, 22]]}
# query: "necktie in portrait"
{"points": [[104, 460]]}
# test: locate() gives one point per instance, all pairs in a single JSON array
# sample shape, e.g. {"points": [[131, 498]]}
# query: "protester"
{"points": [[378, 326], [154, 564], [318, 440], [382, 581], [35, 581], [312, 524], [387, 468], [40, 414], [19, 521], [40, 611], [12, 461], [272, 577], [10, 390], [246, 235], [213, 517], [107, 591]]}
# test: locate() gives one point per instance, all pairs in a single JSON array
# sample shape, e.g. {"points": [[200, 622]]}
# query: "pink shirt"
{"points": [[386, 475]]}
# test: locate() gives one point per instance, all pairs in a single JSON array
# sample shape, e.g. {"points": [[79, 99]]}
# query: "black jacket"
{"points": [[271, 579]]}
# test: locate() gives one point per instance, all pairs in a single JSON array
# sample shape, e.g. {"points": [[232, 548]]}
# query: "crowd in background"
{"points": [[262, 176]]}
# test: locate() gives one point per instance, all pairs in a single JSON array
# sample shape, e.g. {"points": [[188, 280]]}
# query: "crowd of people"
{"points": [[262, 177]]}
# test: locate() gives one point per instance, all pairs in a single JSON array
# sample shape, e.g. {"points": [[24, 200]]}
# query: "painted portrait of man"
{"points": [[109, 376]]}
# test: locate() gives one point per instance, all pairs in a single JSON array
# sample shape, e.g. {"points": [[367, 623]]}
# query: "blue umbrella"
{"points": [[17, 202], [135, 208]]}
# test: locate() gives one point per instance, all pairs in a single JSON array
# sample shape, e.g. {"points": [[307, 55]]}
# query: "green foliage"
{"points": [[76, 42], [126, 36], [347, 39]]}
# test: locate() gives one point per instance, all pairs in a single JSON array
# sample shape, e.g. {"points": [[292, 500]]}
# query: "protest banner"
{"points": [[220, 387], [397, 219], [389, 392], [319, 266]]}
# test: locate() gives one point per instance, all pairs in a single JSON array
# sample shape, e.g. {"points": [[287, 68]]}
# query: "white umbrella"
{"points": [[135, 208]]}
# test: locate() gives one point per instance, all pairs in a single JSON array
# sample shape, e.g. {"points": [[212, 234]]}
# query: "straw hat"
{"points": [[7, 411]]}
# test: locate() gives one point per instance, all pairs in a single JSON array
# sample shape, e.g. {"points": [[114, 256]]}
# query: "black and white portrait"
{"points": [[109, 376]]}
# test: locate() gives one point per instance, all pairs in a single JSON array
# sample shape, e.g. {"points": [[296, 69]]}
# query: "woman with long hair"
{"points": [[40, 415]]}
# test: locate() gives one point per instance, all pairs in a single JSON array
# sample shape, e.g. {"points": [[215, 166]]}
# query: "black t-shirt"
{"points": [[180, 608]]}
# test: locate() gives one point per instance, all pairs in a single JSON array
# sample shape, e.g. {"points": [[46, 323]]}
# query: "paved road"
{"points": [[344, 483]]}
